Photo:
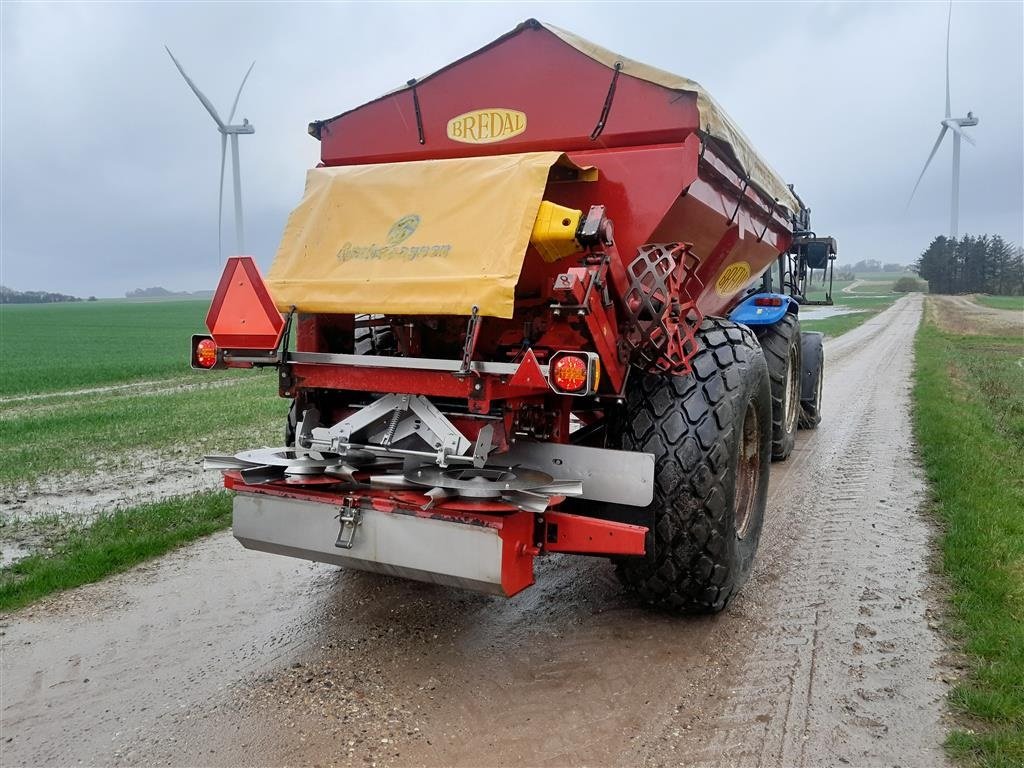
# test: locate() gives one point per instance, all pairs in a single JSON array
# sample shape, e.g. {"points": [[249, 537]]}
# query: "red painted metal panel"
{"points": [[588, 535], [560, 90], [410, 381]]}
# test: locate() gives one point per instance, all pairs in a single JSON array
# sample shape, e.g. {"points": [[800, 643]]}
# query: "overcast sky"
{"points": [[110, 164]]}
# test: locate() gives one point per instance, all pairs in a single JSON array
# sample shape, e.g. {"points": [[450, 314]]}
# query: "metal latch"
{"points": [[350, 517]]}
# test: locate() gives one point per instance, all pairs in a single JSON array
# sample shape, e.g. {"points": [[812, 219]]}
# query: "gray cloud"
{"points": [[109, 164]]}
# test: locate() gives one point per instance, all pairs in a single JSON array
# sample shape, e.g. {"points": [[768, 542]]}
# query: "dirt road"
{"points": [[217, 656]]}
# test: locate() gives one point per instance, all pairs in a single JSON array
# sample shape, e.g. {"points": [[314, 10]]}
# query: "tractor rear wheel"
{"points": [[781, 344], [710, 433]]}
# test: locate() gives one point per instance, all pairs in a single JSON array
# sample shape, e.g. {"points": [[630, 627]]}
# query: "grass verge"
{"points": [[838, 325], [112, 543], [969, 421]]}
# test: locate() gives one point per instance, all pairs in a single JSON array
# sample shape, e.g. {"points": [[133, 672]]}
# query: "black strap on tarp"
{"points": [[607, 103], [416, 107]]}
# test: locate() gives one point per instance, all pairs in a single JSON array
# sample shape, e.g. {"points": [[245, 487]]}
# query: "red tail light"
{"points": [[575, 373], [768, 301], [570, 373], [205, 353]]}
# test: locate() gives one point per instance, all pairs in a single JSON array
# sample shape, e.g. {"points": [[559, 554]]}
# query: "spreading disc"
{"points": [[273, 462], [479, 483]]}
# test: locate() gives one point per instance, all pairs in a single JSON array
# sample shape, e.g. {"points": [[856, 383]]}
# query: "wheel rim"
{"points": [[792, 399], [749, 470]]}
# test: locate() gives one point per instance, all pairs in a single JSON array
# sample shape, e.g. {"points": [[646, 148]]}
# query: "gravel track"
{"points": [[218, 656]]}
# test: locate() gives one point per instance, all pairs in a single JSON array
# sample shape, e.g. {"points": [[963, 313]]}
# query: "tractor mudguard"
{"points": [[762, 309]]}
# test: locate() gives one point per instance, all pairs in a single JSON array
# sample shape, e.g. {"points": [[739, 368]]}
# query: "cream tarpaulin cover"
{"points": [[432, 237], [713, 119]]}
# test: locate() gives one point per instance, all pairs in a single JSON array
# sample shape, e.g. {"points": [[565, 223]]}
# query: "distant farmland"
{"points": [[57, 347]]}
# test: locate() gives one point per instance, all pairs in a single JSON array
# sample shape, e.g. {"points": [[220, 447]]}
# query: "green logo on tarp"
{"points": [[402, 229]]}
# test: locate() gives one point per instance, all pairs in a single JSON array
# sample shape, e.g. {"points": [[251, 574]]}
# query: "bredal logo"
{"points": [[399, 232], [486, 126], [734, 277]]}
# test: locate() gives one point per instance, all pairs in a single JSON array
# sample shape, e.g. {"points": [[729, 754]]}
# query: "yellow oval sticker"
{"points": [[486, 126], [733, 277]]}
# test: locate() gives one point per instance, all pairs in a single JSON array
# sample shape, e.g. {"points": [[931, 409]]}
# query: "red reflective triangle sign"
{"points": [[242, 314], [529, 374]]}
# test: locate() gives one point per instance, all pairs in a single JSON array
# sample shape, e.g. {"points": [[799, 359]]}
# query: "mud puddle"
{"points": [[822, 313], [34, 517]]}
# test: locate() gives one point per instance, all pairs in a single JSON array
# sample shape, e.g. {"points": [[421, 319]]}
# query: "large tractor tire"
{"points": [[710, 433], [781, 345], [812, 353]]}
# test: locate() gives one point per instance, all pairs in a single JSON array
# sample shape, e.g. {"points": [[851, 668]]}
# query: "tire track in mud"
{"points": [[147, 387], [219, 656]]}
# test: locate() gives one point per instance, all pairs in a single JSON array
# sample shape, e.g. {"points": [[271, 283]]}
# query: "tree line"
{"points": [[11, 296], [973, 264]]}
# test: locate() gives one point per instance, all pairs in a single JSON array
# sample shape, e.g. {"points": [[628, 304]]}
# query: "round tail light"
{"points": [[206, 353], [570, 373]]}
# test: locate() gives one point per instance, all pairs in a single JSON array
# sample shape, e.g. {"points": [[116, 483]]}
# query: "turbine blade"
{"points": [[959, 131], [195, 89], [235, 105], [949, 22], [220, 197], [938, 141]]}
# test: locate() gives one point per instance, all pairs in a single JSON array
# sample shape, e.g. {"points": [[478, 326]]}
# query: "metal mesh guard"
{"points": [[663, 327]]}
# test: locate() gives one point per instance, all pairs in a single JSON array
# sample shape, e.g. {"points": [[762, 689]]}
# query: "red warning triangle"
{"points": [[529, 374], [242, 314]]}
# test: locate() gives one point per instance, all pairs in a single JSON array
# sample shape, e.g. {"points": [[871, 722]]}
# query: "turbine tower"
{"points": [[956, 125], [226, 129]]}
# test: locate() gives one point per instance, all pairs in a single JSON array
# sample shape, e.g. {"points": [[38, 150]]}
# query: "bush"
{"points": [[907, 285]]}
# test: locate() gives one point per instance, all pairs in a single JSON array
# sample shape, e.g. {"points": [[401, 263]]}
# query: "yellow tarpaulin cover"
{"points": [[433, 237]]}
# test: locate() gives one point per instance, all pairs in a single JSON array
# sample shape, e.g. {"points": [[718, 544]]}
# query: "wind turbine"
{"points": [[956, 125], [226, 129]]}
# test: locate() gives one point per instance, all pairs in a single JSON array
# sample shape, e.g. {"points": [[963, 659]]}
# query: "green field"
{"points": [[57, 347], [969, 420], [1001, 302], [838, 325], [868, 298], [50, 352], [101, 431]]}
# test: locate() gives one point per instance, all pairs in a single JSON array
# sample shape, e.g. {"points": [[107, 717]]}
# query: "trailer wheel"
{"points": [[781, 345], [710, 435], [812, 353]]}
